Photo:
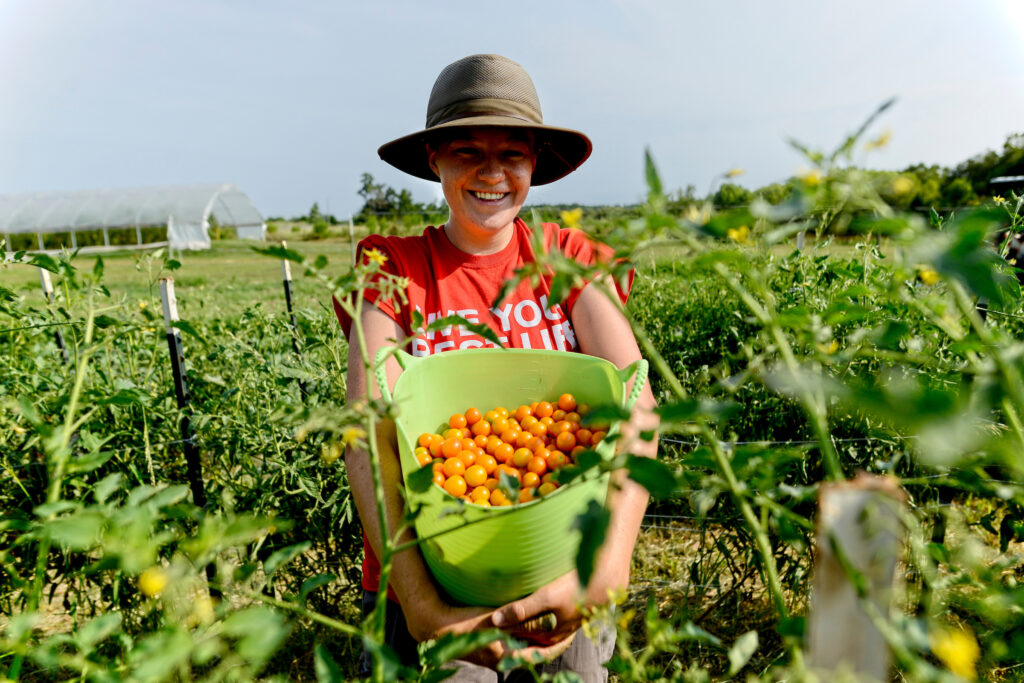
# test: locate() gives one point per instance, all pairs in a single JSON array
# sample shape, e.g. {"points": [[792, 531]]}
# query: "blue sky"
{"points": [[290, 100]]}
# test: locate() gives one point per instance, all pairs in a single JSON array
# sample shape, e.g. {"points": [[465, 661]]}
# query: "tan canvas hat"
{"points": [[489, 90]]}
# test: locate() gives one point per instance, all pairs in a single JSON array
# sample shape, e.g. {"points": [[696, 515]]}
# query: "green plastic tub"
{"points": [[503, 553]]}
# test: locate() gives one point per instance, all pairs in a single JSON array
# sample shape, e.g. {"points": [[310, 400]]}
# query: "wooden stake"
{"points": [[860, 536]]}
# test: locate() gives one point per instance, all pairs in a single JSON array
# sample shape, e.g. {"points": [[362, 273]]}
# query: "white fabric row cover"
{"points": [[184, 209]]}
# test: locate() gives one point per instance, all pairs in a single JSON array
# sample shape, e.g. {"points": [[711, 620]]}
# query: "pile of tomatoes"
{"points": [[528, 445]]}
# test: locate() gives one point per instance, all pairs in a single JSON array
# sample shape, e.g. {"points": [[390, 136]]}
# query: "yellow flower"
{"points": [[927, 275], [352, 435], [376, 256], [733, 172], [697, 214], [143, 305], [957, 650], [153, 581], [811, 178], [999, 200], [738, 235], [879, 142], [901, 185], [571, 219]]}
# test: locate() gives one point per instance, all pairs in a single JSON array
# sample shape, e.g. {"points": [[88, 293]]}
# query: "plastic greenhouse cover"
{"points": [[124, 208]]}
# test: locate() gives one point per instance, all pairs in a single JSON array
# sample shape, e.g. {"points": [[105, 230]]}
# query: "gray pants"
{"points": [[585, 657]]}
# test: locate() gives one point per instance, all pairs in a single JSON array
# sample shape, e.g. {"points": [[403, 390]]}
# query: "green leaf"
{"points": [[312, 583], [420, 479], [172, 264], [97, 630], [106, 486], [593, 526], [46, 262], [277, 251], [187, 328], [260, 631], [658, 478], [78, 531], [654, 188], [126, 397], [476, 328], [97, 268], [105, 321], [741, 651], [450, 646], [283, 556], [327, 670]]}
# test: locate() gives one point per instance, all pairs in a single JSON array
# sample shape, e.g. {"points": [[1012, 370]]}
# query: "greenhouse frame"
{"points": [[179, 217]]}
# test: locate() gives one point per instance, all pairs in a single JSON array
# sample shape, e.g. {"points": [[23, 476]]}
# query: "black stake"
{"points": [[193, 466], [44, 278], [286, 275]]}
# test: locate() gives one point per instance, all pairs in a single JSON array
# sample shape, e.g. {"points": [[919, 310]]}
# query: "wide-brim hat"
{"points": [[489, 90]]}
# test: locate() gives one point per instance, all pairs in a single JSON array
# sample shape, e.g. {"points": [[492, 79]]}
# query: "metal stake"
{"points": [[286, 276], [44, 278]]}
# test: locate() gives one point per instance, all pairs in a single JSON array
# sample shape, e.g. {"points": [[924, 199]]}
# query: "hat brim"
{"points": [[560, 151]]}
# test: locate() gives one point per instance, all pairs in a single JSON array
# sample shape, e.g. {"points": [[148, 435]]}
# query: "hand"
{"points": [[558, 602], [425, 623]]}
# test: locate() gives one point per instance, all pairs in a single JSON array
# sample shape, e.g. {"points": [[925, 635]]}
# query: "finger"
{"points": [[517, 612], [545, 621]]}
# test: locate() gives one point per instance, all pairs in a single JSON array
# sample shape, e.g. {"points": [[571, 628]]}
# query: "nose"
{"points": [[491, 168]]}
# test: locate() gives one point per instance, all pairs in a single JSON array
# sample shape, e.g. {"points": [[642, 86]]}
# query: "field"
{"points": [[776, 370]]}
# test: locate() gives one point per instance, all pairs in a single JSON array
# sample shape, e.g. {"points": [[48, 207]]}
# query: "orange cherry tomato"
{"points": [[457, 421], [583, 436], [531, 479], [481, 428], [528, 422], [522, 457], [537, 465], [547, 488], [439, 479], [491, 484], [480, 441], [499, 499], [449, 433], [453, 467], [523, 438], [558, 415], [492, 442], [503, 452], [452, 447], [423, 456], [509, 435], [573, 416], [526, 495], [424, 440], [597, 438], [499, 425], [483, 502], [523, 412], [488, 462], [565, 441], [576, 451], [468, 458], [543, 409], [472, 416], [480, 493], [476, 476], [436, 441], [557, 459], [567, 402], [539, 429], [502, 412], [491, 415], [455, 485]]}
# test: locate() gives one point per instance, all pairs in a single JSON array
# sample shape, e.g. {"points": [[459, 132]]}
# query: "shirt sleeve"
{"points": [[390, 266], [584, 249]]}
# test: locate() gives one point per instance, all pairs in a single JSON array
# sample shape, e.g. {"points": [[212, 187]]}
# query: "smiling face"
{"points": [[485, 175]]}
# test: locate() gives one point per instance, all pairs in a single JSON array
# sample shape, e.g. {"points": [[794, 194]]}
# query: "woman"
{"points": [[486, 143]]}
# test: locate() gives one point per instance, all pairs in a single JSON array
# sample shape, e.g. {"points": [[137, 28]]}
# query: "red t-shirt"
{"points": [[445, 281]]}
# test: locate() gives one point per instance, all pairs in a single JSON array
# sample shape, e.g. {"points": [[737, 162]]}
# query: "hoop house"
{"points": [[98, 220]]}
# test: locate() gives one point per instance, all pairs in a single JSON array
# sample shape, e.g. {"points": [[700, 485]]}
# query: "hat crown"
{"points": [[483, 84]]}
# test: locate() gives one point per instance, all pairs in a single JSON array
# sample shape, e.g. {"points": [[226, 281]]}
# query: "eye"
{"points": [[464, 151]]}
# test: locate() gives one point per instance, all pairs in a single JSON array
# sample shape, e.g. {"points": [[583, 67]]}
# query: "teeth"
{"points": [[490, 195]]}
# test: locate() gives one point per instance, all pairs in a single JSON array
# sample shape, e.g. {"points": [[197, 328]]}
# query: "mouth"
{"points": [[489, 196]]}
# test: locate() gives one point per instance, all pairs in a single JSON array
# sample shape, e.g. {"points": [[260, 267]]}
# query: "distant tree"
{"points": [[774, 193], [958, 192], [729, 195]]}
